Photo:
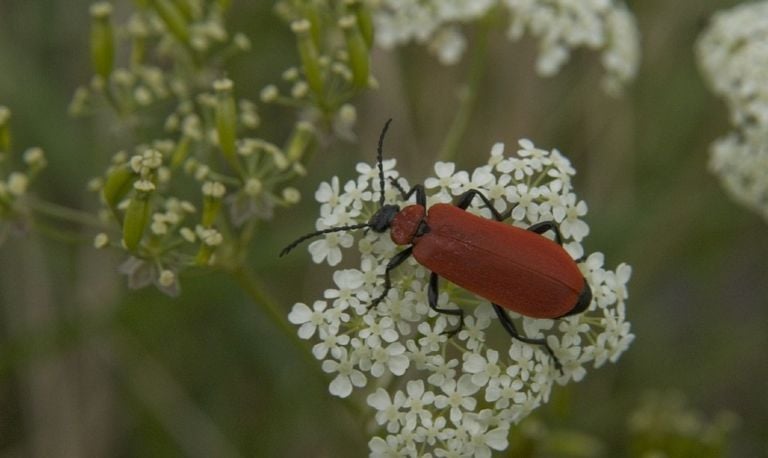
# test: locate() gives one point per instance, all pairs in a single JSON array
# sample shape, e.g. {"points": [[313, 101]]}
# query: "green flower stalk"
{"points": [[309, 56], [5, 131], [364, 20], [357, 50], [300, 142], [173, 19], [226, 121], [212, 194], [136, 219], [102, 39]]}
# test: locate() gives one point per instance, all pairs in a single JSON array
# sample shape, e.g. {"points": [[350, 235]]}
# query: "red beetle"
{"points": [[515, 269]]}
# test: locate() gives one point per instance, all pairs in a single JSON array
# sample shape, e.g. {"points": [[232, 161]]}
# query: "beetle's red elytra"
{"points": [[513, 268]]}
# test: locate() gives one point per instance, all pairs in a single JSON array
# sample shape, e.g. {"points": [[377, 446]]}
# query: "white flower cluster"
{"points": [[436, 395], [733, 56], [559, 25]]}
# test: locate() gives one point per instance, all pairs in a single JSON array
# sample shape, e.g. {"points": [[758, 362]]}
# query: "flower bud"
{"points": [[137, 29], [364, 20], [136, 219], [118, 183], [212, 194], [357, 50], [181, 152], [226, 121], [173, 19], [101, 240], [309, 56], [102, 39], [300, 141]]}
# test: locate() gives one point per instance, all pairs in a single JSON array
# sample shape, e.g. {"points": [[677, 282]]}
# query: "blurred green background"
{"points": [[88, 368]]}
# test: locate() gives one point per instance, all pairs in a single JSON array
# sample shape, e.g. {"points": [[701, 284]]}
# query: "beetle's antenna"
{"points": [[379, 159], [298, 241]]}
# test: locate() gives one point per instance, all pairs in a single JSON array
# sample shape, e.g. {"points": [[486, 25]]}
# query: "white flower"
{"points": [[508, 391], [417, 401], [484, 370], [458, 397], [734, 60], [482, 441], [427, 386], [389, 448], [441, 370], [733, 57], [328, 247], [560, 26], [571, 226], [376, 330], [741, 162], [347, 377], [328, 193], [446, 180], [308, 319], [349, 282], [389, 412], [330, 341], [390, 358]]}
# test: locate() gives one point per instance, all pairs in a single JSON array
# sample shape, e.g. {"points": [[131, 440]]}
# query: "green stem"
{"points": [[467, 94], [257, 292], [66, 214]]}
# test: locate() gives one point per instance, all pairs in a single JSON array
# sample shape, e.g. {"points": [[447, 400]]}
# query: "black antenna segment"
{"points": [[298, 241], [379, 160]]}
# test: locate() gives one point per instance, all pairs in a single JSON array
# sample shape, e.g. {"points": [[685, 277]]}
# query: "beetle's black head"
{"points": [[379, 222], [382, 219]]}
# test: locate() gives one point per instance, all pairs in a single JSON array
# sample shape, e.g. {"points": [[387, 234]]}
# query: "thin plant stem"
{"points": [[468, 94], [66, 214], [254, 288]]}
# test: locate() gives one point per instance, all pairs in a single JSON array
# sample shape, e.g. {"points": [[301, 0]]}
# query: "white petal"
{"points": [[340, 386], [307, 330], [379, 400], [399, 364], [444, 169], [300, 314]]}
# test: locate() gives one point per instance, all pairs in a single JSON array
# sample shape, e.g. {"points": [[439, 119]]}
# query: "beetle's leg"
{"points": [[509, 326], [466, 199], [433, 294], [545, 226], [396, 260], [421, 194]]}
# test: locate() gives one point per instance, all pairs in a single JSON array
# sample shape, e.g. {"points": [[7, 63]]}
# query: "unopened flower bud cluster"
{"points": [[173, 199], [16, 175], [734, 60], [155, 33], [560, 26], [438, 396], [334, 42]]}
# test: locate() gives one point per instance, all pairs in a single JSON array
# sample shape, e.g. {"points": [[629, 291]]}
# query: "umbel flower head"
{"points": [[560, 26], [733, 58], [434, 394]]}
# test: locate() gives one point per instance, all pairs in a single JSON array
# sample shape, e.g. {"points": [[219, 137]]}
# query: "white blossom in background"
{"points": [[741, 162], [560, 26], [733, 57], [438, 396]]}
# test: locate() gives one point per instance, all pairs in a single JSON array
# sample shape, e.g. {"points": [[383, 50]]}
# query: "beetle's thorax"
{"points": [[408, 224]]}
